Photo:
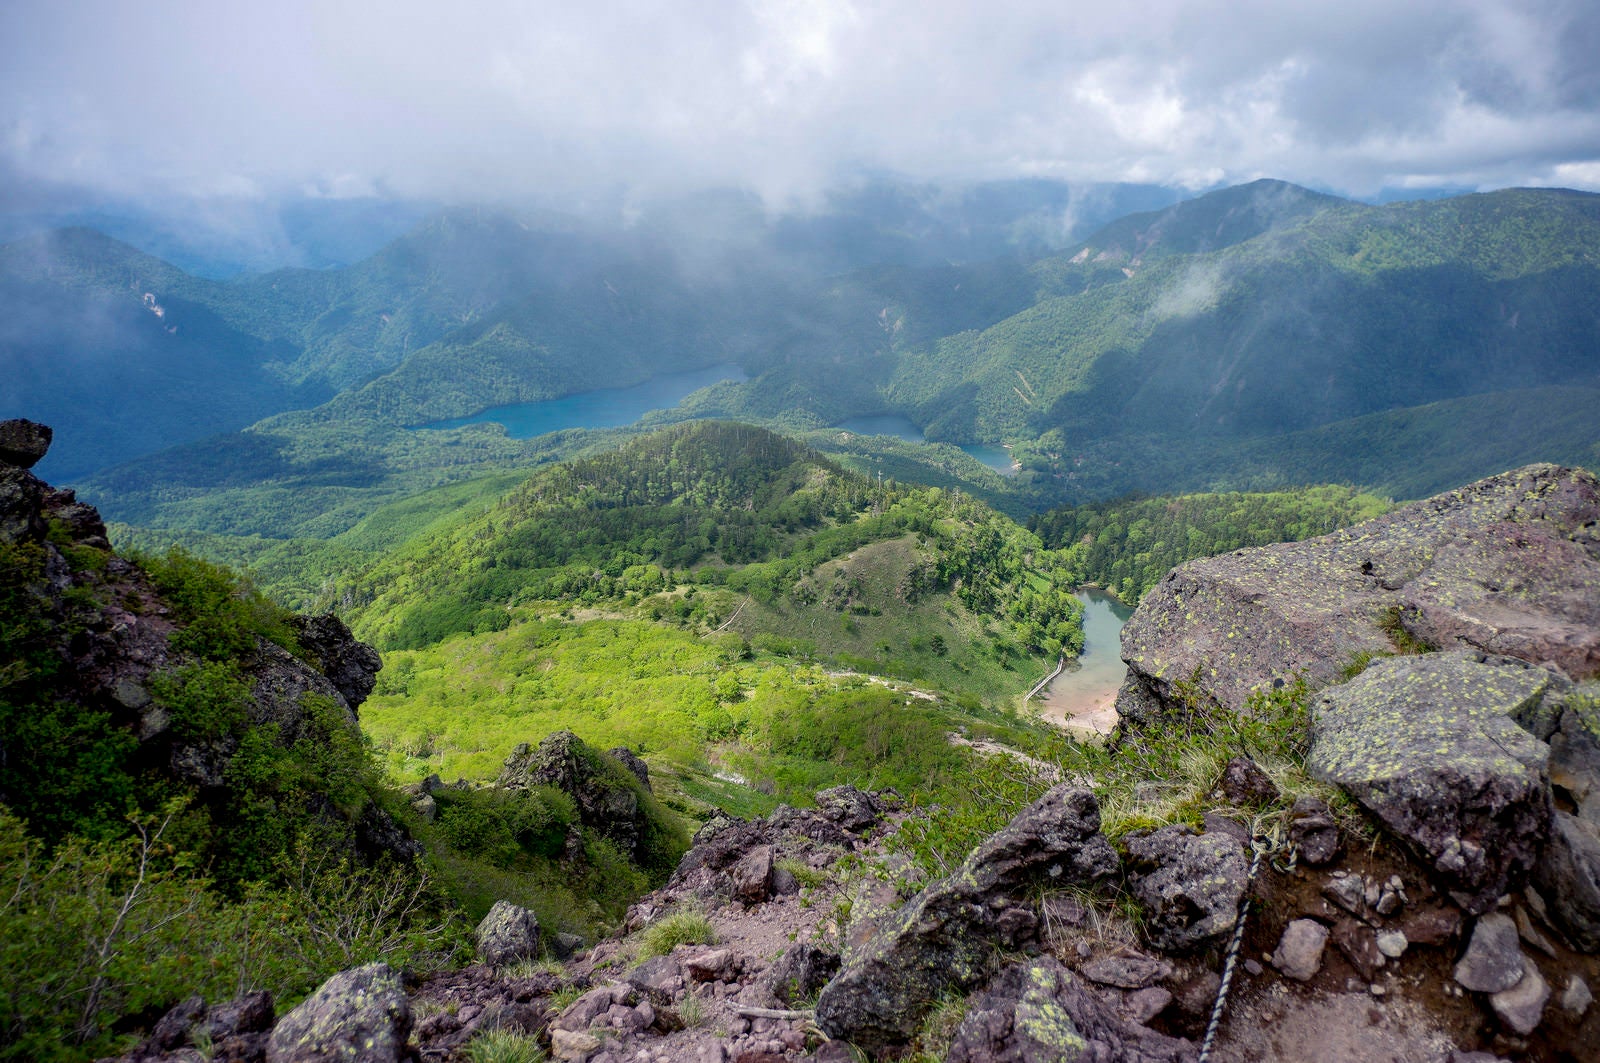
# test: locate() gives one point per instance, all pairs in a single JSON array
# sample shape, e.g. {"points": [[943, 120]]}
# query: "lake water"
{"points": [[601, 408], [906, 430], [1084, 696]]}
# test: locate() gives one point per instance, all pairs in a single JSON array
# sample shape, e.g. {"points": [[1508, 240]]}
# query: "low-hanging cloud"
{"points": [[580, 105]]}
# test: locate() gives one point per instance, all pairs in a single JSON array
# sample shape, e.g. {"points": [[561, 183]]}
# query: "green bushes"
{"points": [[221, 614], [92, 933]]}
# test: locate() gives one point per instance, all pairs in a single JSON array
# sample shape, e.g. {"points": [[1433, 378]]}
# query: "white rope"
{"points": [[1261, 844]]}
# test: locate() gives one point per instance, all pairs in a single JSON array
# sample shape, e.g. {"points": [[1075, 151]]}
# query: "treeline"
{"points": [[1129, 545]]}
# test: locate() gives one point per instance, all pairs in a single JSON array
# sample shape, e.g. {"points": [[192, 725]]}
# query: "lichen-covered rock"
{"points": [[1429, 744], [855, 810], [1189, 884], [944, 938], [1038, 1013], [509, 933], [801, 972], [357, 1016], [1568, 875], [1508, 565]]}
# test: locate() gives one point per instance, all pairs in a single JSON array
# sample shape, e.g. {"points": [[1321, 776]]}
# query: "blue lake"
{"points": [[601, 408], [1082, 697], [906, 430]]}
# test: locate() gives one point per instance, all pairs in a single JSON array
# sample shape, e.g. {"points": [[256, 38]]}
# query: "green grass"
{"points": [[680, 928], [502, 1046]]}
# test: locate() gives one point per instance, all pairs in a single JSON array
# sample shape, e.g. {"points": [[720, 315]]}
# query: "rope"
{"points": [[1262, 844]]}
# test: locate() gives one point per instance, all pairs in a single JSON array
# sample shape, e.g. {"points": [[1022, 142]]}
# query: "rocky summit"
{"points": [[1509, 565]]}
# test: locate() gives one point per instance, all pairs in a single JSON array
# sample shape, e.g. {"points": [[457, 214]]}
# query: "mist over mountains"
{"points": [[1150, 351]]}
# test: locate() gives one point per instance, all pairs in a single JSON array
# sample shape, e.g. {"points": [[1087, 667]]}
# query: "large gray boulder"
{"points": [[1429, 745], [1508, 565], [945, 939], [1189, 884], [508, 934], [358, 1016], [1039, 1013]]}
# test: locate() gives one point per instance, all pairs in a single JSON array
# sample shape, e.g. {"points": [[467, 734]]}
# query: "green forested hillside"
{"points": [[740, 516], [1128, 546]]}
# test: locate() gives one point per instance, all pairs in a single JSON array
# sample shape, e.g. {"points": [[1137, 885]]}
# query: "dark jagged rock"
{"points": [[507, 934], [1429, 744], [362, 1014], [1189, 884], [602, 787], [23, 442], [1245, 785], [1569, 875], [801, 972], [1508, 565], [714, 866], [855, 810], [247, 1014], [1038, 1013], [110, 630], [630, 760], [349, 664], [1314, 831], [943, 939]]}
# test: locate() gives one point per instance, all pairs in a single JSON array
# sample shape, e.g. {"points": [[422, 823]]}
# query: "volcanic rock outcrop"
{"points": [[1508, 565]]}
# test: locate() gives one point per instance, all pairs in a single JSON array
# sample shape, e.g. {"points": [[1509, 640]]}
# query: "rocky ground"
{"points": [[1450, 912]]}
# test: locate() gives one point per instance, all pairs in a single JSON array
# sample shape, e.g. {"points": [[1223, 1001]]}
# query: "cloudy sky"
{"points": [[537, 99]]}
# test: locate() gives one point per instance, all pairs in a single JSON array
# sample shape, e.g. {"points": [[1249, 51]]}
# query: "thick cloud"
{"points": [[571, 102]]}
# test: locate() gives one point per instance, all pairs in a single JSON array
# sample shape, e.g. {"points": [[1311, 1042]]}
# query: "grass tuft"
{"points": [[681, 928]]}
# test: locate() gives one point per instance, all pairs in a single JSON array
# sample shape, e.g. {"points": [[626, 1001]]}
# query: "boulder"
{"points": [[855, 810], [1039, 1013], [1522, 1006], [631, 760], [509, 933], [801, 972], [1245, 785], [1429, 745], [751, 877], [1314, 831], [943, 940], [1569, 875], [23, 442], [1189, 884], [350, 664], [1126, 972], [1508, 565], [1493, 961], [1299, 952], [361, 1014]]}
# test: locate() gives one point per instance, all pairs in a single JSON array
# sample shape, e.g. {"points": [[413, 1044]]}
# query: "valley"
{"points": [[762, 527]]}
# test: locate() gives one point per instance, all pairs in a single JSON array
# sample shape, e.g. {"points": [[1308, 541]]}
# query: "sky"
{"points": [[567, 103]]}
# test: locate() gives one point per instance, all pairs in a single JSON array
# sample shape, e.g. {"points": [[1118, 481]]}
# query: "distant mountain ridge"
{"points": [[1242, 315]]}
